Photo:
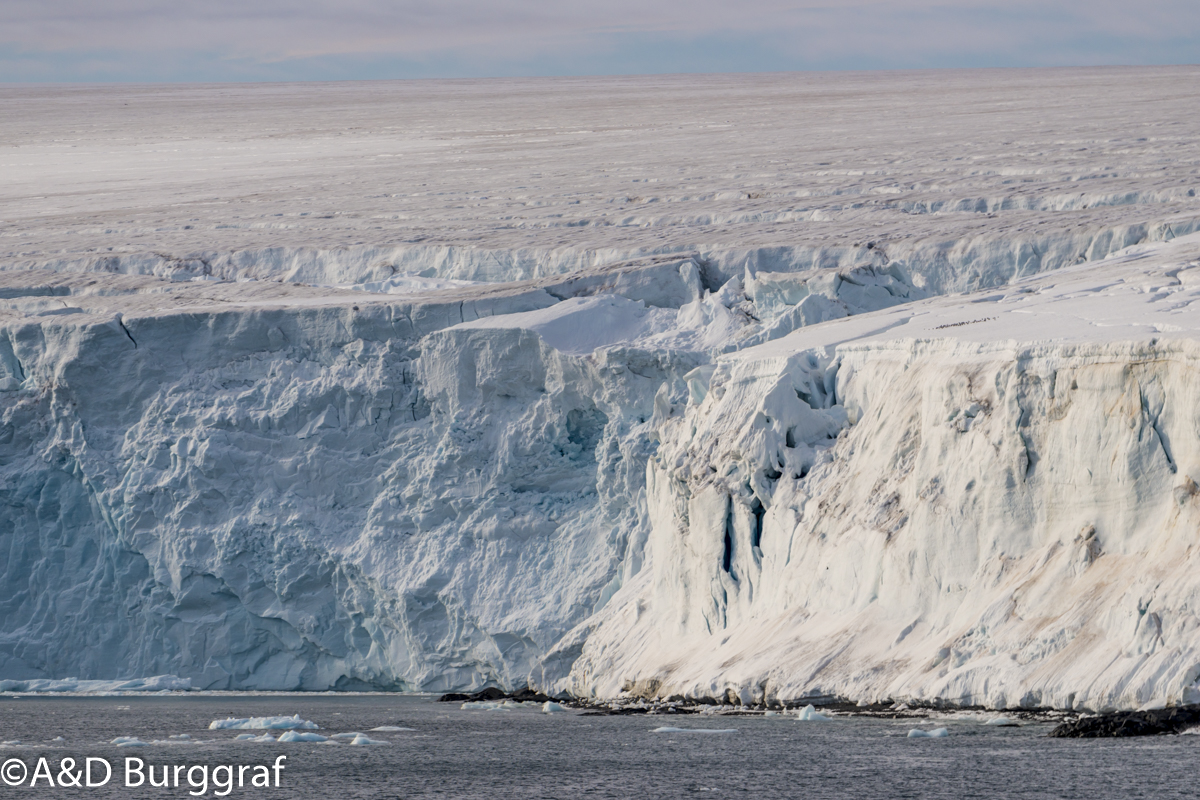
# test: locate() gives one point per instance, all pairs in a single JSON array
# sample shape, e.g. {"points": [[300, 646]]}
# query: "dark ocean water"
{"points": [[454, 753]]}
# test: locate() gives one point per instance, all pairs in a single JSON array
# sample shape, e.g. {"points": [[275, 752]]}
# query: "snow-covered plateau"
{"points": [[760, 387]]}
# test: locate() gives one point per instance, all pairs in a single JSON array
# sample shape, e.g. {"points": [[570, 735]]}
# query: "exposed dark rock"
{"points": [[492, 694], [1131, 723], [529, 696]]}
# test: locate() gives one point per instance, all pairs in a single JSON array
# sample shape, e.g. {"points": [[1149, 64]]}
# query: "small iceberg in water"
{"points": [[1003, 722], [936, 733], [262, 723], [810, 714], [296, 736], [362, 739]]}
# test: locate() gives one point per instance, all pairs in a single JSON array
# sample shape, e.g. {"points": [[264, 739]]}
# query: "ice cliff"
{"points": [[919, 432], [916, 505]]}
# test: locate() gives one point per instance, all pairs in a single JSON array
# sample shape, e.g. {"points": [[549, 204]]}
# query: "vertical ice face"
{"points": [[299, 498], [952, 518], [696, 406]]}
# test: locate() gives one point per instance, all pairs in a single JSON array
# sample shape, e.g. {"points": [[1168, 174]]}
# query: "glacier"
{"points": [[611, 400]]}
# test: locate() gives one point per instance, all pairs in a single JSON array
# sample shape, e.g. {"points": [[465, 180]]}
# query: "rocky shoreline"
{"points": [[1130, 723], [722, 706], [1069, 724]]}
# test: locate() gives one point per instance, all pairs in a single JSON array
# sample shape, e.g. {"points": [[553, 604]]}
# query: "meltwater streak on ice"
{"points": [[273, 485]]}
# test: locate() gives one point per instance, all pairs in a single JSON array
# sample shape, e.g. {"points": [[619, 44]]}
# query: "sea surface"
{"points": [[523, 753]]}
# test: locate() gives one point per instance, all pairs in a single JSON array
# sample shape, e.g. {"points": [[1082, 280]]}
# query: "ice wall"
{"points": [[565, 483], [268, 495], [873, 514]]}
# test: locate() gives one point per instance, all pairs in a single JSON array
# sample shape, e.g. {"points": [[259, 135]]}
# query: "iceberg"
{"points": [[297, 736], [262, 723], [810, 714], [128, 741], [936, 733], [363, 739]]}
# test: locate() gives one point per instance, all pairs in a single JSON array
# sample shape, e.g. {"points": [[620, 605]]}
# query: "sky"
{"points": [[268, 40]]}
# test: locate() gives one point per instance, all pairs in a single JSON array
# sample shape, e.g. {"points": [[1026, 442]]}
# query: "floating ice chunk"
{"points": [[770, 713], [12, 742], [392, 728], [503, 705], [1001, 721], [810, 714], [350, 735], [250, 737], [58, 739], [362, 739], [263, 723], [129, 741], [552, 708], [296, 736], [936, 733], [693, 730], [180, 736]]}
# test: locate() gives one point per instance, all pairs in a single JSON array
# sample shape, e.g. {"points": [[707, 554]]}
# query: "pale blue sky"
{"points": [[252, 40]]}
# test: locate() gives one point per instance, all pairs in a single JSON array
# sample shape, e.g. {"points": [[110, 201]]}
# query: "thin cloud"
{"points": [[530, 35]]}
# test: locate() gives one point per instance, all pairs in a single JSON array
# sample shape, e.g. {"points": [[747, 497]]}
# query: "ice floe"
{"points": [[936, 733], [298, 736], [262, 723], [363, 739]]}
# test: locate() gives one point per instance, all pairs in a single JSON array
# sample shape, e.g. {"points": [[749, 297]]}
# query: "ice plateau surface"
{"points": [[761, 387]]}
